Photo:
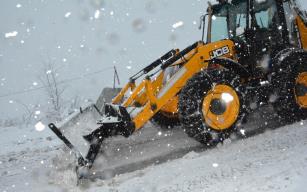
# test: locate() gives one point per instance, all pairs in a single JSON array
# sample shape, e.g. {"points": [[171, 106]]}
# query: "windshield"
{"points": [[228, 21]]}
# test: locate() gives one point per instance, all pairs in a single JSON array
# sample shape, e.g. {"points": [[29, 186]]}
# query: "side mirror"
{"points": [[202, 25]]}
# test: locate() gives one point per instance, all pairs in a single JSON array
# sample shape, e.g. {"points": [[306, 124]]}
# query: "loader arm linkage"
{"points": [[127, 115]]}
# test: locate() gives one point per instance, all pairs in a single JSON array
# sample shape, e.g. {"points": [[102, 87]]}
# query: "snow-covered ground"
{"points": [[275, 160]]}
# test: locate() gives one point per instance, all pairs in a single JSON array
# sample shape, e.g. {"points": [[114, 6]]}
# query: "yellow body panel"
{"points": [[171, 107], [302, 28], [118, 98], [139, 96], [137, 91]]}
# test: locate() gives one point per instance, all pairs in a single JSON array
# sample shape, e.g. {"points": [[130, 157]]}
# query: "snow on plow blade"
{"points": [[81, 132], [116, 121]]}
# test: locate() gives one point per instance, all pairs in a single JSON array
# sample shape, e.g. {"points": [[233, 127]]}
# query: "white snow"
{"points": [[265, 63], [158, 160]]}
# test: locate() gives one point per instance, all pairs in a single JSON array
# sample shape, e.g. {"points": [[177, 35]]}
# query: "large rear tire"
{"points": [[210, 105], [290, 84]]}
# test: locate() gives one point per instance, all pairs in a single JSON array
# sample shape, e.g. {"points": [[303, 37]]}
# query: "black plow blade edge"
{"points": [[76, 152]]}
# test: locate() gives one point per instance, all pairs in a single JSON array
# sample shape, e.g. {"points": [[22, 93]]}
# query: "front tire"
{"points": [[210, 105]]}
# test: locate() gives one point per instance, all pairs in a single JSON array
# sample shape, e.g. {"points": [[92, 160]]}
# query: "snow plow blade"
{"points": [[60, 135], [116, 121]]}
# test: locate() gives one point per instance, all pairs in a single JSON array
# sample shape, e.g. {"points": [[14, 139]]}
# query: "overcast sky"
{"points": [[86, 36]]}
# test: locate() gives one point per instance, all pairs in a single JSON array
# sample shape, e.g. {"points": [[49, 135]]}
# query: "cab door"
{"points": [[267, 31]]}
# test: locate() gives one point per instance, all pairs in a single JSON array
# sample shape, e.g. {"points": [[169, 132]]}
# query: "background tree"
{"points": [[50, 80]]}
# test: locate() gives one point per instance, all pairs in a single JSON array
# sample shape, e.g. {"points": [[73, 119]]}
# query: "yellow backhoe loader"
{"points": [[254, 52]]}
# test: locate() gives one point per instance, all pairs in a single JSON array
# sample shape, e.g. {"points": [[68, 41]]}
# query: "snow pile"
{"points": [[273, 161]]}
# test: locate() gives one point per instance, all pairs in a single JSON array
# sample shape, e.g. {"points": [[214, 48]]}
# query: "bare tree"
{"points": [[27, 117], [54, 91]]}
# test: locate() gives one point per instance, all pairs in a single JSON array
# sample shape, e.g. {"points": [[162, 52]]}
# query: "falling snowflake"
{"points": [[39, 126], [37, 112], [177, 24], [97, 14], [68, 14], [11, 34], [215, 165]]}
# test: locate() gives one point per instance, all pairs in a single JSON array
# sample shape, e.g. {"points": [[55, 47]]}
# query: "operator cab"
{"points": [[258, 28]]}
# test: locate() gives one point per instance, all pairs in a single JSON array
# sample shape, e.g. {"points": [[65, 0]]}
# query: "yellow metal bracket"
{"points": [[134, 94], [118, 98], [150, 93]]}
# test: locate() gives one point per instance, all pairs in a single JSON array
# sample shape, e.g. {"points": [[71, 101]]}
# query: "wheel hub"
{"points": [[218, 106]]}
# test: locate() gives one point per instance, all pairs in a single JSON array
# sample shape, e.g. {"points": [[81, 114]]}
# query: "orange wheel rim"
{"points": [[301, 90], [221, 106]]}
